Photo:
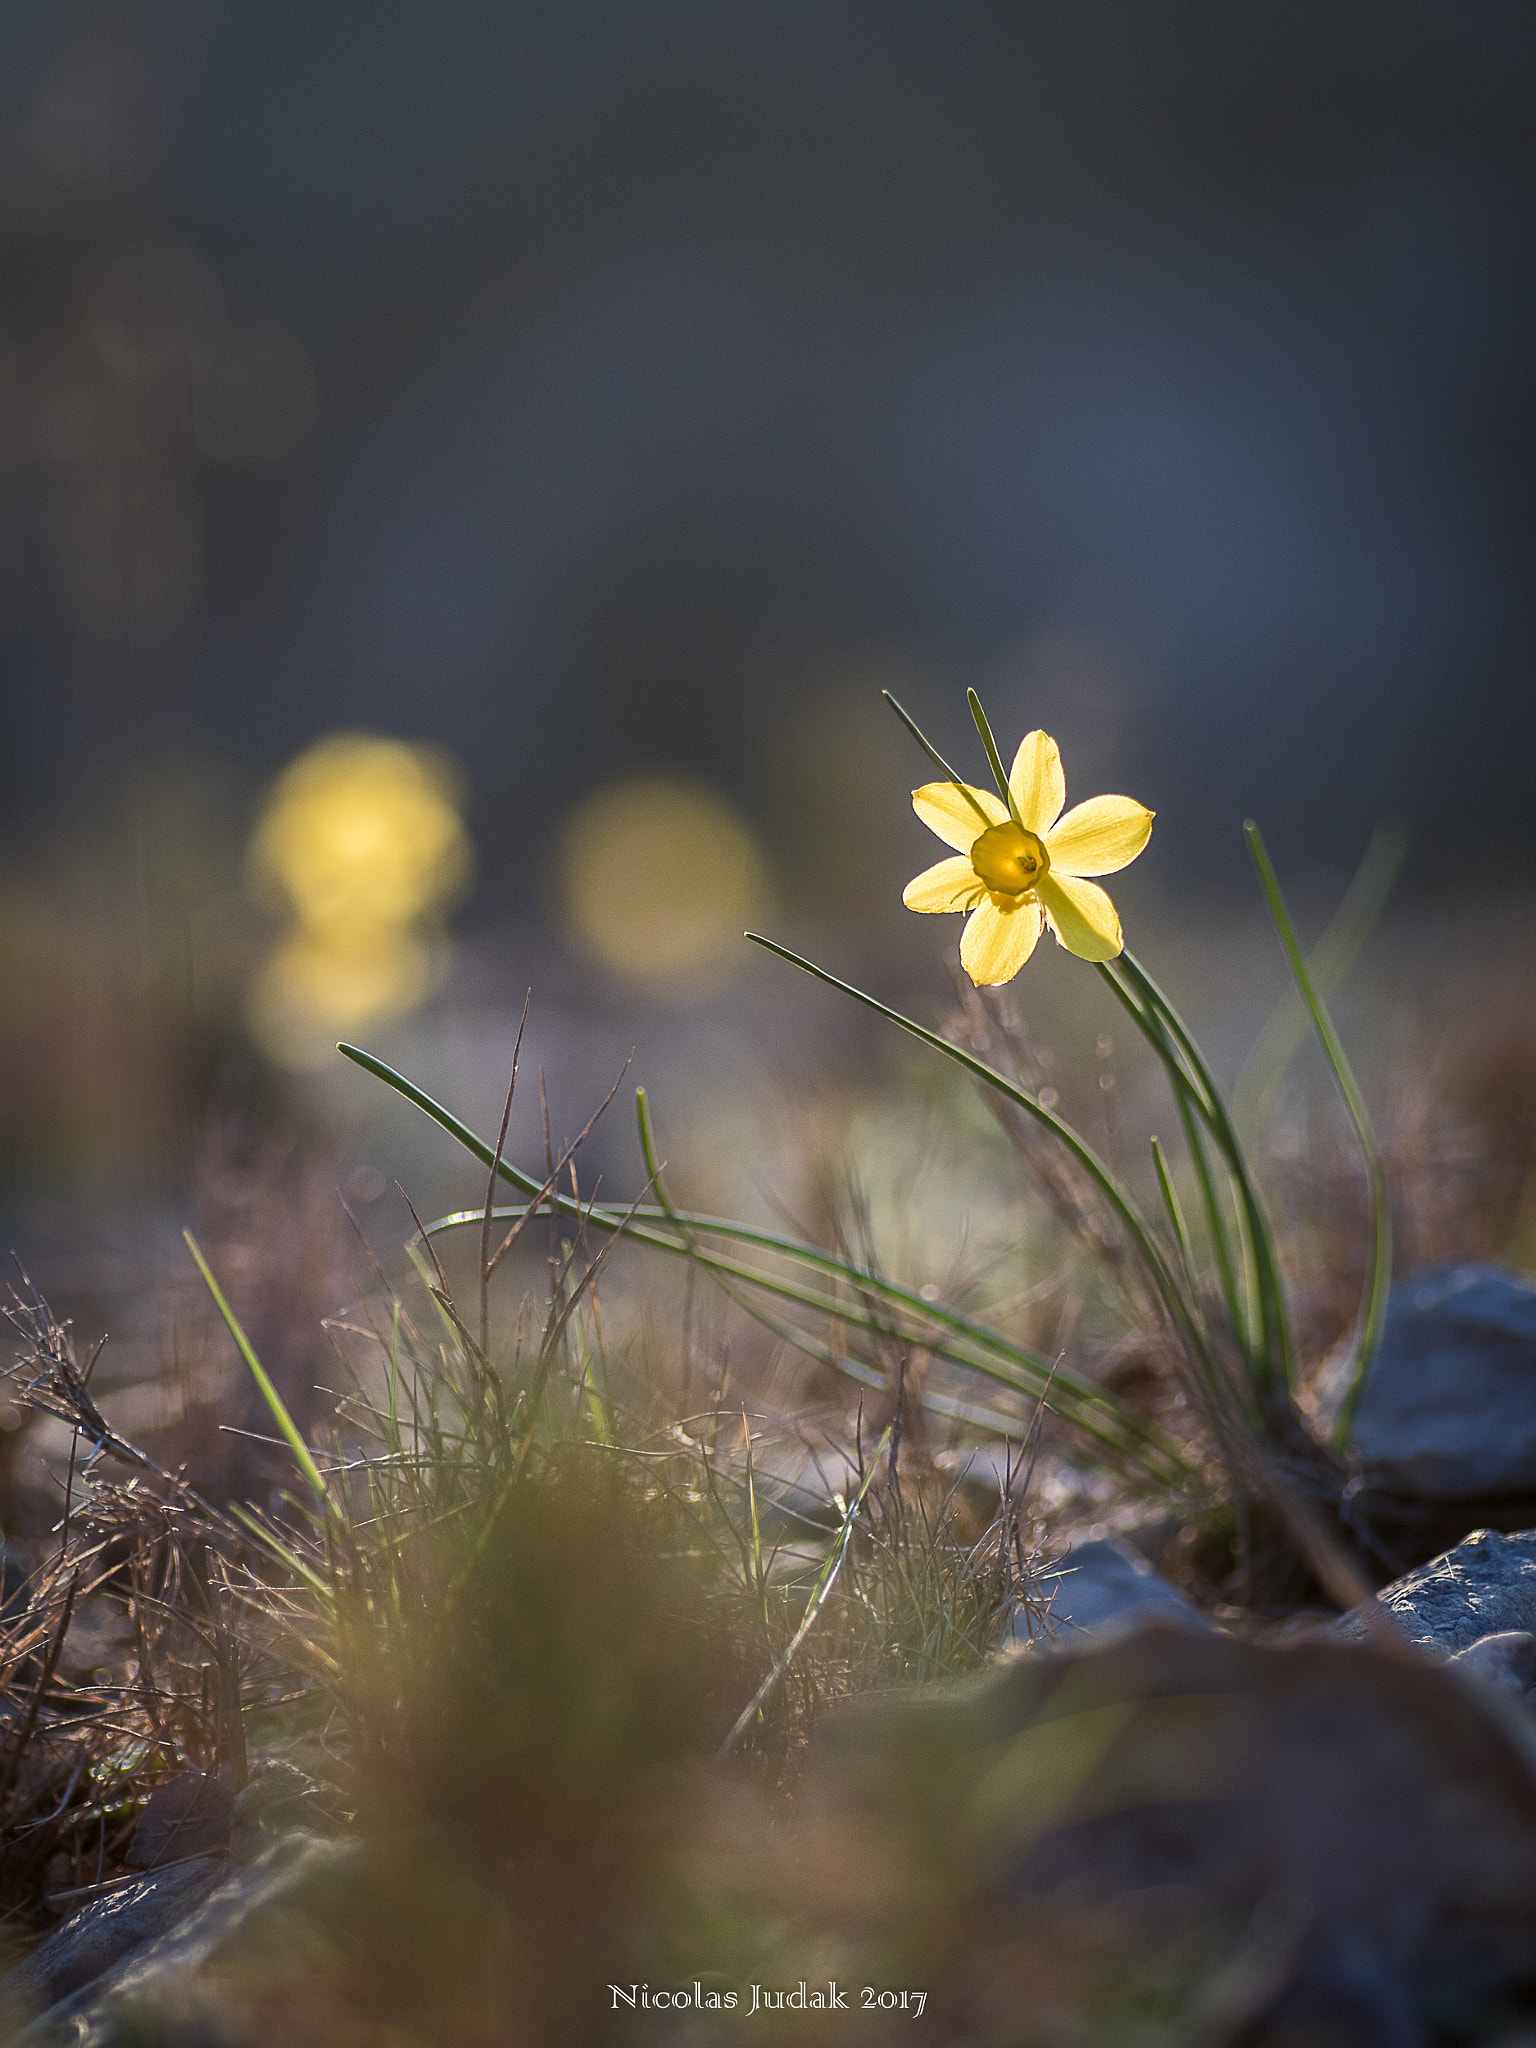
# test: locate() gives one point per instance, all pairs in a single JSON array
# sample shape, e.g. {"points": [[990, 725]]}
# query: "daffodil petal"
{"points": [[996, 942], [1081, 916], [944, 810], [1038, 784], [1099, 837], [949, 885]]}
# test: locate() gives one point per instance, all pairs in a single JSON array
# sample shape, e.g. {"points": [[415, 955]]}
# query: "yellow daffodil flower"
{"points": [[1024, 865]]}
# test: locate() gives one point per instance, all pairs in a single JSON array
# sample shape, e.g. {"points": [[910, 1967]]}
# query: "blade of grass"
{"points": [[1273, 1357], [283, 1552], [1373, 1299], [1365, 899], [824, 1583], [1215, 1223], [274, 1400], [1161, 1273], [1174, 1213], [936, 757], [994, 758]]}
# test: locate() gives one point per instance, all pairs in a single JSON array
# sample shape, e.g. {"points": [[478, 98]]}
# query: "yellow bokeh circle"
{"points": [[361, 848], [362, 830], [658, 875]]}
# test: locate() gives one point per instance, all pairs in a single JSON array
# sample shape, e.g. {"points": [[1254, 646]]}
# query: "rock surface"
{"points": [[1448, 1410], [189, 1815], [1507, 1661], [97, 1938], [1485, 1585], [126, 1994], [1319, 1843], [278, 1800], [1097, 1589]]}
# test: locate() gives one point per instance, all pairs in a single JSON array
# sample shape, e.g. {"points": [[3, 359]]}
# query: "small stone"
{"points": [[1448, 1409], [157, 1990], [189, 1815], [1485, 1585], [278, 1799], [1362, 1825], [1098, 1589], [1507, 1660]]}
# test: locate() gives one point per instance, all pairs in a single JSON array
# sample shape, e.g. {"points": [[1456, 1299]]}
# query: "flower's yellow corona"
{"points": [[1023, 865]]}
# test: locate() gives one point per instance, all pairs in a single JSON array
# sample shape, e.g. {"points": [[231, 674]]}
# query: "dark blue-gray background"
{"points": [[1166, 367]]}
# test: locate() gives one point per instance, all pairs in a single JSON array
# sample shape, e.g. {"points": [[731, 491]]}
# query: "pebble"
{"points": [[1483, 1586], [1099, 1589], [1448, 1410]]}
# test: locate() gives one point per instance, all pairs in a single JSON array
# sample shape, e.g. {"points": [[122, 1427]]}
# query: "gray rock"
{"points": [[1507, 1661], [105, 2011], [189, 1815], [1484, 1586], [1448, 1410], [278, 1799], [1099, 1589], [1358, 1821], [100, 1935]]}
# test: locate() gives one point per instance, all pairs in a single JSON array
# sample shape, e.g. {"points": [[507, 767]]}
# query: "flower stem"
{"points": [[1164, 1279], [1171, 1040]]}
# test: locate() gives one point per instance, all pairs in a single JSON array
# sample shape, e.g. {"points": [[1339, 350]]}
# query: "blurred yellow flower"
{"points": [[658, 874], [361, 831], [362, 846], [1023, 866]]}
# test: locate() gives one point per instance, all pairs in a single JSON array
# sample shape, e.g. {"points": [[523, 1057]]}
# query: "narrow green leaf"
{"points": [[1078, 1401], [269, 1393], [999, 772], [1378, 1278], [1119, 1201], [1328, 963], [935, 756], [284, 1553], [824, 1583], [1175, 1214]]}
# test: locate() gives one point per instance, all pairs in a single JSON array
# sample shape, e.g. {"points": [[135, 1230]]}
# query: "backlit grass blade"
{"points": [[824, 1583], [258, 1372], [1174, 1212], [1170, 1038], [994, 758], [1373, 1300], [1162, 1275], [1330, 960], [935, 756]]}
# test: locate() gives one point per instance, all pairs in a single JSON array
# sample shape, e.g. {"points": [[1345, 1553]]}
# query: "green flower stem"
{"points": [[1163, 1277], [1373, 1300], [1216, 1224], [1187, 1098], [1274, 1361]]}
